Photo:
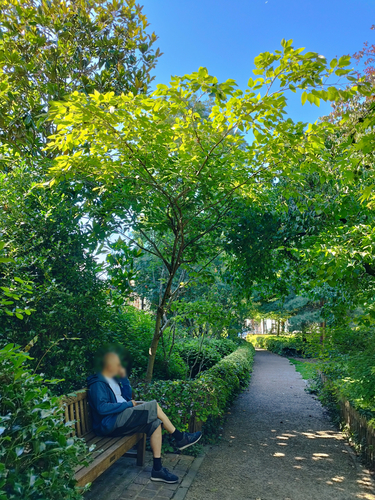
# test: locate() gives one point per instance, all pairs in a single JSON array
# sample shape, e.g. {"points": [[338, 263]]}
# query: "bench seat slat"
{"points": [[95, 440], [115, 450], [102, 445], [88, 437]]}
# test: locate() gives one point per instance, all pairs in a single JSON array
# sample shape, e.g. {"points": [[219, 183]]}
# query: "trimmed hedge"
{"points": [[290, 345], [207, 396], [200, 356]]}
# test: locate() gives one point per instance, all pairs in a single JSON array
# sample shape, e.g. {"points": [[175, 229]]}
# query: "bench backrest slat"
{"points": [[77, 411], [78, 416], [83, 417]]}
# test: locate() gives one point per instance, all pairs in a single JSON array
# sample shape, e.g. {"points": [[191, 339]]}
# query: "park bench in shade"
{"points": [[107, 449]]}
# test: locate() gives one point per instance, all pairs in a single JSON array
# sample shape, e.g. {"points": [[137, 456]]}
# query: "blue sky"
{"points": [[225, 36]]}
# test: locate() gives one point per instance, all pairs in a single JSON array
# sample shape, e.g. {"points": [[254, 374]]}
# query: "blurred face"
{"points": [[111, 365]]}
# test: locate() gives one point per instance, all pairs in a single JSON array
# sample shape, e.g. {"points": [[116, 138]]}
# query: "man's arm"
{"points": [[104, 407], [126, 390]]}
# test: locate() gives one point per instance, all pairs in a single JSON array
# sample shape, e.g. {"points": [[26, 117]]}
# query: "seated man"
{"points": [[114, 413]]}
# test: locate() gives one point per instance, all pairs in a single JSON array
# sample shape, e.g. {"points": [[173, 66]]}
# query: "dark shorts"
{"points": [[142, 418]]}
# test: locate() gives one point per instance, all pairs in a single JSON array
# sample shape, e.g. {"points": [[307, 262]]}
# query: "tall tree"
{"points": [[171, 174], [49, 49]]}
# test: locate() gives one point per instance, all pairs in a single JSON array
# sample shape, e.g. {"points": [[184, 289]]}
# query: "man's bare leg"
{"points": [[168, 426], [159, 473], [155, 442]]}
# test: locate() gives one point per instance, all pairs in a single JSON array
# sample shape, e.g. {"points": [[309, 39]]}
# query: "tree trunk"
{"points": [[322, 326], [154, 345], [322, 332], [158, 326]]}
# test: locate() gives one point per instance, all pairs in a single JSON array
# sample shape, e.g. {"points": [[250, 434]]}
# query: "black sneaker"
{"points": [[164, 476], [189, 439]]}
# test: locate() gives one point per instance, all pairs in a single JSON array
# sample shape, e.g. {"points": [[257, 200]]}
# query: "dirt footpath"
{"points": [[278, 444]]}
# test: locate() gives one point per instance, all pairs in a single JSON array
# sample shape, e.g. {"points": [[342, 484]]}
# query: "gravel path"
{"points": [[278, 444]]}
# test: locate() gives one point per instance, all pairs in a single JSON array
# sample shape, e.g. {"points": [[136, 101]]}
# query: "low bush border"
{"points": [[360, 432], [209, 395], [284, 345]]}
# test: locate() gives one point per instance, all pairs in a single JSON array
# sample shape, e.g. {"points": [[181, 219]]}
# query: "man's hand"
{"points": [[134, 402], [122, 372]]}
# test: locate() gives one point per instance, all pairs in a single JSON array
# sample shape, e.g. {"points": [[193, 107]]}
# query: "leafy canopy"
{"points": [[170, 168], [170, 173], [48, 49]]}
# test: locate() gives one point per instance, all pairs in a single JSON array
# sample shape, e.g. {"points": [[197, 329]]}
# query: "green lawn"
{"points": [[305, 368]]}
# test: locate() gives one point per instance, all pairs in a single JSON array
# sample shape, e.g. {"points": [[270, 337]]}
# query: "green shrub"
{"points": [[290, 345], [225, 346], [132, 330], [49, 249], [258, 340], [37, 455], [207, 396], [347, 360], [229, 376], [201, 355]]}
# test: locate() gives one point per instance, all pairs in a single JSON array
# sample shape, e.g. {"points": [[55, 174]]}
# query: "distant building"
{"points": [[266, 326]]}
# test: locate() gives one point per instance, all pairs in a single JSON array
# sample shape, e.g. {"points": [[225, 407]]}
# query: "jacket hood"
{"points": [[97, 377]]}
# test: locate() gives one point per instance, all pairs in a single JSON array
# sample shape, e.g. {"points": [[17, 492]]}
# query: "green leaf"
{"points": [[19, 450], [333, 63], [367, 192], [344, 61], [342, 72], [311, 98], [304, 97]]}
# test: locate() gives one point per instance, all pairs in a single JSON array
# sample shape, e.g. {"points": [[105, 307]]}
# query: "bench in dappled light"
{"points": [[107, 449]]}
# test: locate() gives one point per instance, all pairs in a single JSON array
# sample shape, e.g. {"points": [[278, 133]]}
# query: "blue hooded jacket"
{"points": [[103, 404]]}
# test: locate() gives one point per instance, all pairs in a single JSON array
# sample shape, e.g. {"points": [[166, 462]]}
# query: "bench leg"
{"points": [[141, 450]]}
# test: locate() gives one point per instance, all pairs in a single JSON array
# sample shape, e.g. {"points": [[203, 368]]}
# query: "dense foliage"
{"points": [[209, 395], [47, 51], [347, 359], [171, 174], [290, 345], [203, 203], [50, 49], [68, 300], [202, 354], [37, 454], [130, 332]]}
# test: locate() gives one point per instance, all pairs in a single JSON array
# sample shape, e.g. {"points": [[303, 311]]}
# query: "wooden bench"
{"points": [[107, 449]]}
